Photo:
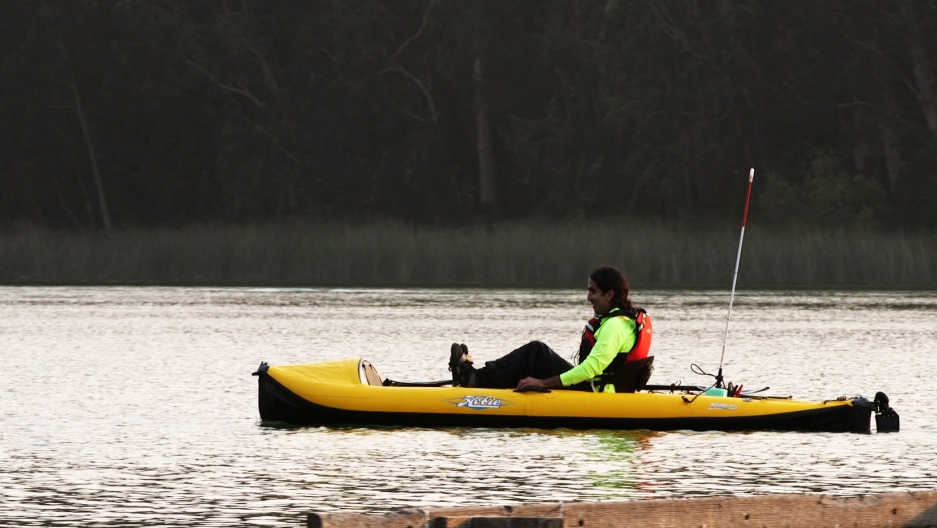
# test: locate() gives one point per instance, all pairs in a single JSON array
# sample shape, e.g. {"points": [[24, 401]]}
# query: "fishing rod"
{"points": [[735, 276]]}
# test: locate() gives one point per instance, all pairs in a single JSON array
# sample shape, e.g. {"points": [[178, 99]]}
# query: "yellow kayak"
{"points": [[351, 392]]}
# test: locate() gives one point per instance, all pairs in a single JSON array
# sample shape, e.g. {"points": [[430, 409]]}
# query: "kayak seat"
{"points": [[368, 374], [632, 376]]}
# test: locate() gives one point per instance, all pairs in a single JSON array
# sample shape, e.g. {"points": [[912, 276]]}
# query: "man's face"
{"points": [[601, 301]]}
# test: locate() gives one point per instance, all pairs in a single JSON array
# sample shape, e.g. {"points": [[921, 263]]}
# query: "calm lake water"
{"points": [[136, 407]]}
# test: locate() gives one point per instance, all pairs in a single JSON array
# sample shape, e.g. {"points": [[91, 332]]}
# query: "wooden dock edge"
{"points": [[891, 510]]}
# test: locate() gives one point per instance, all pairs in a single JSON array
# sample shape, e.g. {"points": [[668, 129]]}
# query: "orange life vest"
{"points": [[642, 339]]}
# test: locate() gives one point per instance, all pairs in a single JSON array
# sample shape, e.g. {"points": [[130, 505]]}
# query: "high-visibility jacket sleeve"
{"points": [[616, 335]]}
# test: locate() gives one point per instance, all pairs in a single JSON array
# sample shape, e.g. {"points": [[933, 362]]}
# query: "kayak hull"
{"points": [[297, 397]]}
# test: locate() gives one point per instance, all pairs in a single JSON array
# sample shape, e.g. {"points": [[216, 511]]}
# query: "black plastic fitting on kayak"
{"points": [[886, 419], [262, 369]]}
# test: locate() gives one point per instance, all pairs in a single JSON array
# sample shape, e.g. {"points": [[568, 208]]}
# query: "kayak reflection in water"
{"points": [[612, 354]]}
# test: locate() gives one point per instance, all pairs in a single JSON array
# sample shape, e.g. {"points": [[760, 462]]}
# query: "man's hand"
{"points": [[534, 383]]}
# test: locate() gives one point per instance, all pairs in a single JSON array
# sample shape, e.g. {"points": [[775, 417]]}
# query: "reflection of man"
{"points": [[607, 340]]}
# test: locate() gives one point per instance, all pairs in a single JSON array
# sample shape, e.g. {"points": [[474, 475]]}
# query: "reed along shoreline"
{"points": [[652, 254]]}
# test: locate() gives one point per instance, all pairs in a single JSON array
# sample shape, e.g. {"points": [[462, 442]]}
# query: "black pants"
{"points": [[535, 359]]}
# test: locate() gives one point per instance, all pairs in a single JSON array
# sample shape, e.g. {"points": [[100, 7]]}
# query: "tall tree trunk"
{"points": [[860, 151], [926, 82], [486, 163], [893, 161], [105, 216]]}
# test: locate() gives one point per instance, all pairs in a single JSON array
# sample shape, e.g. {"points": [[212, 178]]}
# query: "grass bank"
{"points": [[652, 255]]}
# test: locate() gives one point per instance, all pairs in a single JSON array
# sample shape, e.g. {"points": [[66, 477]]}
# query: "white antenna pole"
{"points": [[735, 276]]}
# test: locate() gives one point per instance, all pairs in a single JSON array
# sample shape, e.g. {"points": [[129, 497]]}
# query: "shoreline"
{"points": [[463, 286]]}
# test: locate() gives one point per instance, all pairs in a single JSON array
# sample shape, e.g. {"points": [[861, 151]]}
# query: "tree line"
{"points": [[180, 112]]}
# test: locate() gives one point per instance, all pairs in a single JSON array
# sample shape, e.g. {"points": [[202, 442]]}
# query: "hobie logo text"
{"points": [[479, 402], [724, 406]]}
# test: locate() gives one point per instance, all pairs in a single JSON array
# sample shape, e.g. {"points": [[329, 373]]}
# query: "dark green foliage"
{"points": [[246, 111], [829, 194]]}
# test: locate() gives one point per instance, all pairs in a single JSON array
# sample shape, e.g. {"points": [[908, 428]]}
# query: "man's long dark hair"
{"points": [[608, 278]]}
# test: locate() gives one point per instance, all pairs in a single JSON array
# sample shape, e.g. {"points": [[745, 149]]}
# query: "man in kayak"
{"points": [[607, 341]]}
